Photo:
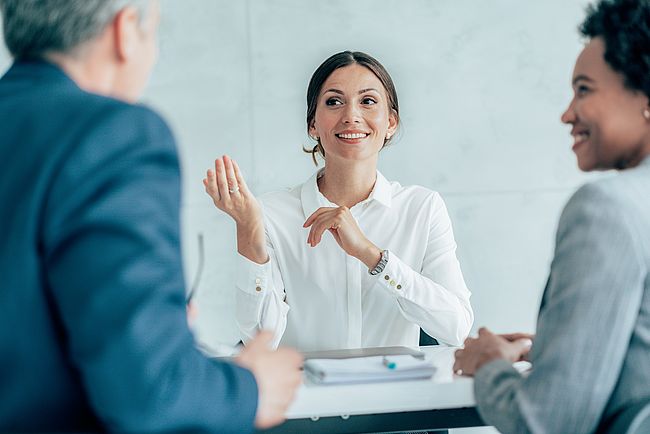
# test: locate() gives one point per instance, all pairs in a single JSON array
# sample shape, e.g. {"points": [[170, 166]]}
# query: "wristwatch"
{"points": [[380, 265]]}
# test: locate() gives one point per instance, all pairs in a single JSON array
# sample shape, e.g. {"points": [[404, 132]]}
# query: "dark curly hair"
{"points": [[624, 25]]}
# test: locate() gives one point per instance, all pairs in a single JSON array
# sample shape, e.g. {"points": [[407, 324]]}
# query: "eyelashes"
{"points": [[337, 101], [333, 102]]}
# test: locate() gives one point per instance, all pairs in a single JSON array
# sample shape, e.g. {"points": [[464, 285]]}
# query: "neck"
{"points": [[635, 158], [347, 184], [89, 70]]}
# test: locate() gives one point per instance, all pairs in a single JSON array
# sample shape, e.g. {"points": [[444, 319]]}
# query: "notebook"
{"points": [[363, 352], [368, 369]]}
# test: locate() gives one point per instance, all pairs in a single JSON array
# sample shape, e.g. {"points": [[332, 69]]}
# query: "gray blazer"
{"points": [[591, 355]]}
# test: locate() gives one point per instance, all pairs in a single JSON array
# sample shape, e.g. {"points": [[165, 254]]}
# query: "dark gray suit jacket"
{"points": [[591, 355], [93, 334]]}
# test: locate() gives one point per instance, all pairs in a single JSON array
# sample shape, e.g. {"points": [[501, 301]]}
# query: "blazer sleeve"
{"points": [[590, 306], [115, 277], [435, 297]]}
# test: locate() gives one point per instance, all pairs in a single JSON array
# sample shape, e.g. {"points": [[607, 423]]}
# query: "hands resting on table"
{"points": [[488, 346]]}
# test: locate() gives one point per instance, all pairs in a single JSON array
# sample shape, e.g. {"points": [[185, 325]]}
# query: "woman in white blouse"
{"points": [[347, 259]]}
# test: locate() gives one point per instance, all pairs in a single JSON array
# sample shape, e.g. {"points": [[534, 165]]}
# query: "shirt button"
{"points": [[387, 277], [392, 283], [399, 286], [258, 281], [258, 288]]}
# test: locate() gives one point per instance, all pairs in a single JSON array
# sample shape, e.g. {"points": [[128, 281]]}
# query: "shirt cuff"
{"points": [[253, 278], [391, 279]]}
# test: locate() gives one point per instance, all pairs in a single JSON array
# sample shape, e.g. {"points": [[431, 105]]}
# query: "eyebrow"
{"points": [[360, 92], [581, 77]]}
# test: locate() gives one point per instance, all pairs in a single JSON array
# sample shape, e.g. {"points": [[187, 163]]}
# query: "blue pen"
{"points": [[387, 363]]}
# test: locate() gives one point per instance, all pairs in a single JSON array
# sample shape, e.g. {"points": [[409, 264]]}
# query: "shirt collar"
{"points": [[312, 198]]}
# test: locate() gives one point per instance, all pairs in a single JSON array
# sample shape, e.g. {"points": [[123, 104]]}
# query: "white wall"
{"points": [[481, 84]]}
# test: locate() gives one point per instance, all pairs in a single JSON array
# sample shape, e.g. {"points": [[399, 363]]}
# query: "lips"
{"points": [[579, 137], [352, 135]]}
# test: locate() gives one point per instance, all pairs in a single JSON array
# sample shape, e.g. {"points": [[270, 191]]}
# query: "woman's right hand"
{"points": [[229, 192]]}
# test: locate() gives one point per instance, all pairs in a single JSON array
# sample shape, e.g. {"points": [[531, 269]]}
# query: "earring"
{"points": [[646, 114]]}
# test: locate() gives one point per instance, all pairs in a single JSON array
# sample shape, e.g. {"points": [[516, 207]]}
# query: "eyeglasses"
{"points": [[199, 272]]}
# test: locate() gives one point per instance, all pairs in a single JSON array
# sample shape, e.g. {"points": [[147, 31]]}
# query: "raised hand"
{"points": [[343, 227], [277, 374], [229, 192]]}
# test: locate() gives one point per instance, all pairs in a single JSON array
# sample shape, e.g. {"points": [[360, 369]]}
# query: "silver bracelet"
{"points": [[380, 265]]}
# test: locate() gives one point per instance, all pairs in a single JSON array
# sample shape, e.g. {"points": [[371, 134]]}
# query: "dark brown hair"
{"points": [[340, 60]]}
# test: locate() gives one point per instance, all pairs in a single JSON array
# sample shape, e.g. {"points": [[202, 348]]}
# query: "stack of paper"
{"points": [[367, 369]]}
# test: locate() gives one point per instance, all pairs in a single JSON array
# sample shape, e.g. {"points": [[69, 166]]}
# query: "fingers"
{"points": [[210, 183], [233, 185], [515, 336], [524, 345], [316, 233], [459, 356], [336, 235], [324, 219], [484, 332], [222, 179], [314, 216], [238, 176], [317, 222]]}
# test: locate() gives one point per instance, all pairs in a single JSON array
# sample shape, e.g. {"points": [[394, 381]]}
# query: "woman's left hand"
{"points": [[340, 223]]}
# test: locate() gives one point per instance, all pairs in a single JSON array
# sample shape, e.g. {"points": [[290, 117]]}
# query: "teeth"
{"points": [[581, 137], [352, 136]]}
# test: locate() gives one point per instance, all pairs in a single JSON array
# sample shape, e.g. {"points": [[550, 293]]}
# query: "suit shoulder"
{"points": [[604, 203], [124, 125], [109, 112], [607, 192]]}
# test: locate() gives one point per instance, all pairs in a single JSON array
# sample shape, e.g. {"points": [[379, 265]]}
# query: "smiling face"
{"points": [[610, 129], [352, 117]]}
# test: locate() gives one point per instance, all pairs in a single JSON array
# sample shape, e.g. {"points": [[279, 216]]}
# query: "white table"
{"points": [[444, 401]]}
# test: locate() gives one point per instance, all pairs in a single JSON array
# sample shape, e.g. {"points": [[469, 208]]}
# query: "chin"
{"points": [[586, 164]]}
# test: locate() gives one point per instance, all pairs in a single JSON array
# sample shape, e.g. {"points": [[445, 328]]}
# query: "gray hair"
{"points": [[34, 28]]}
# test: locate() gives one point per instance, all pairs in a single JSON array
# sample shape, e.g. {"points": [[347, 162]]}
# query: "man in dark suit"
{"points": [[93, 334]]}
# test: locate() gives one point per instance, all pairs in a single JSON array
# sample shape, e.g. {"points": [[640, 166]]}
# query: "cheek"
{"points": [[324, 120], [378, 120]]}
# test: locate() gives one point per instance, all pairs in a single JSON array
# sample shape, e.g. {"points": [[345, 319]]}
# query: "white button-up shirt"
{"points": [[320, 298]]}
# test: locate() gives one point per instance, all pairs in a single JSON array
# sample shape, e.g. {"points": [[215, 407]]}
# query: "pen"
{"points": [[387, 363]]}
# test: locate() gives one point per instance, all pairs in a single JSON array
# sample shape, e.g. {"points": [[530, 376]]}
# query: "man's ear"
{"points": [[126, 30]]}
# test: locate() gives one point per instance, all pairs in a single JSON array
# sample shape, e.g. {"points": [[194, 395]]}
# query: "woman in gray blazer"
{"points": [[592, 350]]}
